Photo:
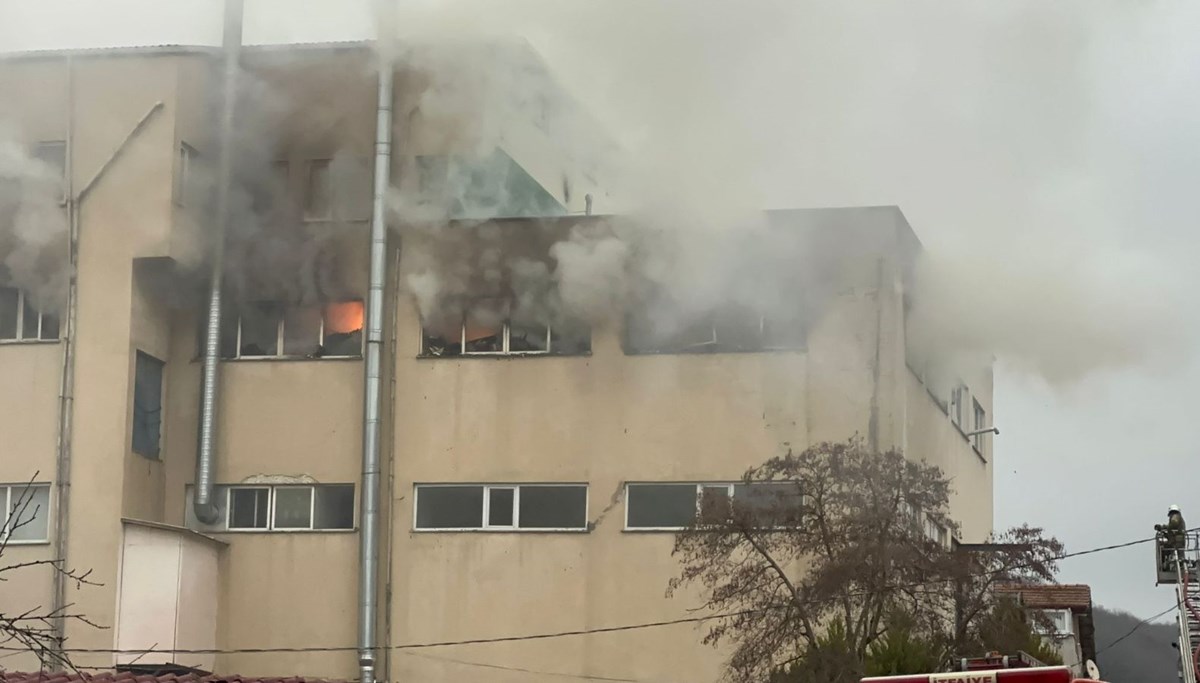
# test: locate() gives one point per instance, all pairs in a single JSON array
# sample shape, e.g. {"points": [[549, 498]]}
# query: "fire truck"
{"points": [[995, 668]]}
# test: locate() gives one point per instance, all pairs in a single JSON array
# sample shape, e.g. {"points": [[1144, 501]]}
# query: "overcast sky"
{"points": [[1048, 151]]}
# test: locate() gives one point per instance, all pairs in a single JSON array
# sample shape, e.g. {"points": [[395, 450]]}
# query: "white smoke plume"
{"points": [[33, 224]]}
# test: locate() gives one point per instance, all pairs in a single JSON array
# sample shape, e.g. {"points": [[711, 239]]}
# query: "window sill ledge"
{"points": [[16, 544], [27, 342], [274, 532], [501, 356], [707, 351], [501, 531], [979, 454], [282, 359]]}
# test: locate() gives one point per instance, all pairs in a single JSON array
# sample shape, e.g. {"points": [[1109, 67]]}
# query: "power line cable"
{"points": [[564, 634], [1136, 628]]}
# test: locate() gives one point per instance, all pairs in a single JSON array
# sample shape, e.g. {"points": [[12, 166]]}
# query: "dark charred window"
{"points": [[505, 338], [147, 405], [318, 190], [271, 330], [20, 320], [281, 507], [656, 329], [504, 507]]}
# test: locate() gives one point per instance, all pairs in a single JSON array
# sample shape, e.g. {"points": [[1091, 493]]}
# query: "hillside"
{"points": [[1146, 656]]}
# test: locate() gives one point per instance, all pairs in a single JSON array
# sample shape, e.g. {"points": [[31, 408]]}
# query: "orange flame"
{"points": [[343, 317]]}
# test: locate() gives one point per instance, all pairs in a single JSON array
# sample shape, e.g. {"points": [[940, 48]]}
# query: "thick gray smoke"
{"points": [[33, 223]]}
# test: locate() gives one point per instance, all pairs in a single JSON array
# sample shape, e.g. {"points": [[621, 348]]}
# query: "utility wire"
{"points": [[1135, 629], [563, 634]]}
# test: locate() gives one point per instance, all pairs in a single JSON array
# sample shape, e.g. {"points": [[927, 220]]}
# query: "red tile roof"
{"points": [[128, 677], [1051, 596]]}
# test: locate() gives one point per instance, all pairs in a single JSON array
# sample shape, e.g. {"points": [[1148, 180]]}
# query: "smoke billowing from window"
{"points": [[33, 223]]}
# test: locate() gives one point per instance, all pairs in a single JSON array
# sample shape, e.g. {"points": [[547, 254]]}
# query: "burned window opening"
{"points": [[21, 321], [318, 191], [507, 338], [147, 405], [271, 330]]}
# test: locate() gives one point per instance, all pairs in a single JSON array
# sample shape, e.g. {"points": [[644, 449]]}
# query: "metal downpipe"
{"points": [[204, 506], [368, 562]]}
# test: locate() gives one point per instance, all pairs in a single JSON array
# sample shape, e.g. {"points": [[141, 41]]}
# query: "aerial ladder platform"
{"points": [[1178, 566]]}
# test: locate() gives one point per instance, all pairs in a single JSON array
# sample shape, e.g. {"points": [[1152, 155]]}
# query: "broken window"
{"points": [[260, 330], [285, 507], [542, 507], [318, 190], [147, 405], [20, 320], [489, 337], [25, 517], [731, 329], [269, 330], [672, 506]]}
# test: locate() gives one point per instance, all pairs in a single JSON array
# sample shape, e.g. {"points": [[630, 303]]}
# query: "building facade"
{"points": [[535, 468]]}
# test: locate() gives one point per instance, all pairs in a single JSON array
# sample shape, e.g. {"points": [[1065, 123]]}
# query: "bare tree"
{"points": [[815, 552], [35, 629], [830, 533]]}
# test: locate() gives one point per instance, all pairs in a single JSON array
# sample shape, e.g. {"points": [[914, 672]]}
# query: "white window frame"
{"points": [[21, 338], [8, 503], [1067, 618], [506, 336], [487, 508], [700, 486], [485, 526], [979, 417], [312, 507], [249, 487], [279, 332], [958, 400]]}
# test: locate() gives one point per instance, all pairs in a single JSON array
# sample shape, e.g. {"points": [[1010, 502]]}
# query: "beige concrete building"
{"points": [[533, 469]]}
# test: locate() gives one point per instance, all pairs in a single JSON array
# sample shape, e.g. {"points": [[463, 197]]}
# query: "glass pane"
{"points": [[29, 328], [8, 312], [772, 503], [527, 338], [49, 327], [450, 507], [714, 503], [343, 328], [500, 507], [248, 508], [29, 513], [260, 330], [553, 507], [334, 507], [661, 505], [147, 405], [293, 507], [301, 331]]}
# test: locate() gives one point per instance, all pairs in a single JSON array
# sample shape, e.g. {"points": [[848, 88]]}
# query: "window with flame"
{"points": [[272, 330], [20, 320]]}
